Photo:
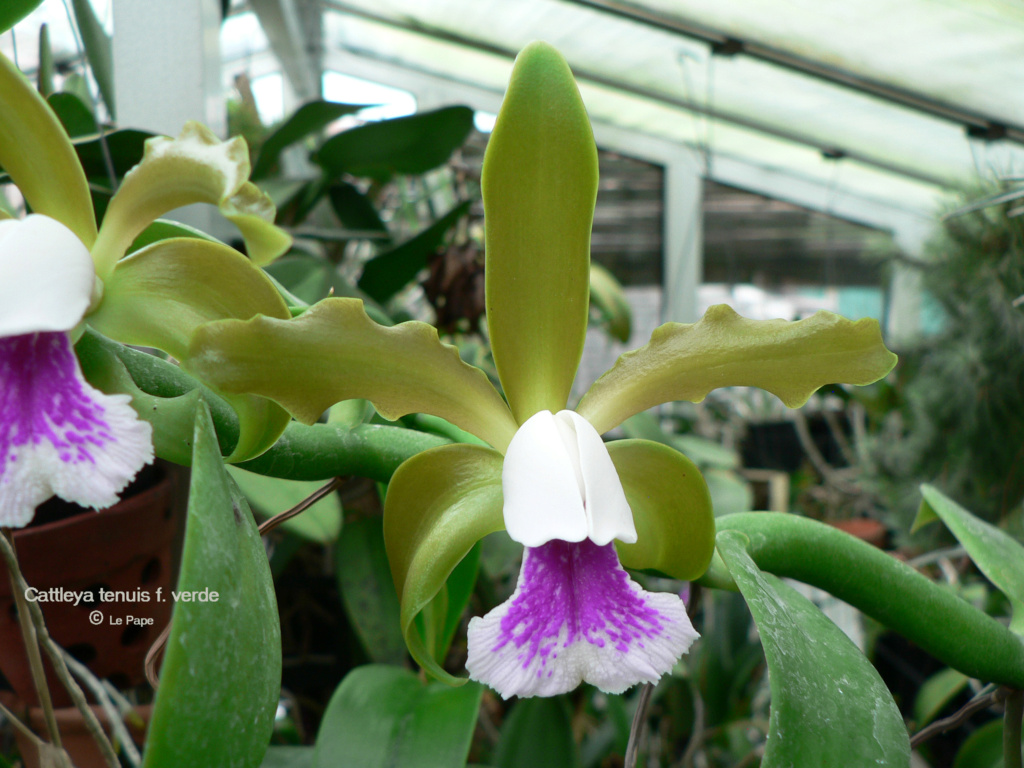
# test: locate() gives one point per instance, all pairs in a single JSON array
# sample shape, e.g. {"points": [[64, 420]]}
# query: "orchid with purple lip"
{"points": [[58, 434], [582, 508]]}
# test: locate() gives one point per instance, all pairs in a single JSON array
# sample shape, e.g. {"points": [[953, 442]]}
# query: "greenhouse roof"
{"points": [[890, 104]]}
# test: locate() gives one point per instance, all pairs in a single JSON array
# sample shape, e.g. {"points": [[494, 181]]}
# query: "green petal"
{"points": [[439, 504], [159, 295], [36, 152], [789, 359], [997, 555], [539, 187], [671, 506], [334, 352], [196, 167]]}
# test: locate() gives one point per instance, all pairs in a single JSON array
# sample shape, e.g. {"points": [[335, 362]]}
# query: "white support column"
{"points": [[167, 65], [903, 325], [683, 239]]}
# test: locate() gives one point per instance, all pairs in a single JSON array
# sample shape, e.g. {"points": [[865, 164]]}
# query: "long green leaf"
{"points": [[996, 554], [385, 717], [221, 676], [387, 273], [539, 187], [538, 732], [789, 359], [305, 121], [829, 705], [13, 11], [98, 49], [411, 145]]}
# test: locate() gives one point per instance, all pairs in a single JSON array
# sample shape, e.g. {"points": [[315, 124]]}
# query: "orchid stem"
{"points": [[635, 730], [1012, 729], [28, 634]]}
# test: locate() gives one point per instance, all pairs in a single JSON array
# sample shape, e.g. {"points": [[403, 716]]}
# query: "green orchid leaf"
{"points": [[308, 119], [75, 116], [936, 692], [671, 506], [996, 554], [440, 503], [355, 211], [829, 706], [269, 496], [385, 717], [196, 167], [608, 299], [13, 11], [334, 352], [789, 359], [126, 148], [983, 748], [387, 273], [410, 145], [538, 732], [98, 50], [46, 69], [288, 757], [368, 592], [36, 153], [158, 296], [539, 187], [221, 675], [161, 393]]}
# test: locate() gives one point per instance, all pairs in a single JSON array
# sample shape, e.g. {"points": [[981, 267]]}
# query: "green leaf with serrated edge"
{"points": [[221, 675], [195, 167], [161, 393], [675, 525], [269, 496], [36, 153], [305, 121], [411, 145], [537, 732], [98, 50], [13, 11], [387, 273], [789, 359], [995, 552], [334, 352], [983, 748], [829, 706], [439, 504], [385, 717], [73, 114], [936, 692], [367, 591], [613, 309], [539, 186]]}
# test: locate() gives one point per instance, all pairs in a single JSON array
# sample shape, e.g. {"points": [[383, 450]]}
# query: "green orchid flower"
{"points": [[582, 508], [59, 273]]}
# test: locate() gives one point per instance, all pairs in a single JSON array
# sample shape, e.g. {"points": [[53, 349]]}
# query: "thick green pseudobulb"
{"points": [[539, 188]]}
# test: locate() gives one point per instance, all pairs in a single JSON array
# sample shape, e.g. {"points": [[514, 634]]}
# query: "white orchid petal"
{"points": [[608, 514], [542, 496], [58, 435], [574, 617], [46, 276]]}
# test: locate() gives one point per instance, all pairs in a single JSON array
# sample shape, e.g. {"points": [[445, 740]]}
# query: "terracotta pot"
{"points": [[130, 549], [75, 737], [865, 528]]}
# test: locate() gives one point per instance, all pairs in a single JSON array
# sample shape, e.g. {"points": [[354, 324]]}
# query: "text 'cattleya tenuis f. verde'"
{"points": [[582, 508], [60, 274]]}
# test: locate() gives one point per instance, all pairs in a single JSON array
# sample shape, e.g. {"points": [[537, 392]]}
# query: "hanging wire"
{"points": [[108, 160], [14, 48]]}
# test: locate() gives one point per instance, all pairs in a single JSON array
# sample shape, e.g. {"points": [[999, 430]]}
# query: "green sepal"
{"points": [[439, 504], [196, 167], [829, 705], [789, 359], [333, 352], [671, 506], [158, 296], [539, 187], [37, 154], [221, 676], [996, 554]]}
